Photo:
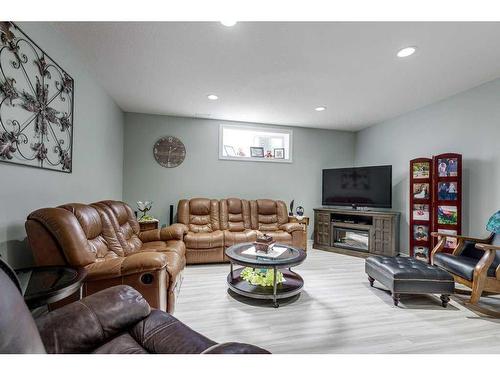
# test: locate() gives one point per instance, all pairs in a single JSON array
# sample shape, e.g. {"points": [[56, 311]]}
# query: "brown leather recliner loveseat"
{"points": [[116, 320], [105, 238], [215, 225]]}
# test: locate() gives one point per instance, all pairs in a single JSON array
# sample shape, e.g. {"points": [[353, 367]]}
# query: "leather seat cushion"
{"points": [[279, 236], [121, 344], [203, 240], [231, 238], [409, 275], [460, 265]]}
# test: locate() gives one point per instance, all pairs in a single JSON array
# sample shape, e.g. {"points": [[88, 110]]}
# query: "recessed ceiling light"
{"points": [[228, 23], [405, 52], [212, 97], [320, 109]]}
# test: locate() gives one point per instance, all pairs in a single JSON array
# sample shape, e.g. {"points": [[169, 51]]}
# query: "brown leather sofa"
{"points": [[215, 225], [105, 238], [116, 320]]}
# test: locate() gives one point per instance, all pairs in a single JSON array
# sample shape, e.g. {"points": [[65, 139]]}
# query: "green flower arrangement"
{"points": [[147, 218], [262, 277]]}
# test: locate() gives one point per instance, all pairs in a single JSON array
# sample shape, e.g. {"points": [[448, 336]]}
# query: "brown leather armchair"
{"points": [[117, 320], [204, 240], [110, 248], [235, 222], [271, 217]]}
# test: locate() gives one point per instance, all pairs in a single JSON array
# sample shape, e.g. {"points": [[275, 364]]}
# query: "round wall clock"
{"points": [[169, 152]]}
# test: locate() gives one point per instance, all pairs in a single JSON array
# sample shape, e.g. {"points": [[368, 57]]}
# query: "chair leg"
{"points": [[477, 290]]}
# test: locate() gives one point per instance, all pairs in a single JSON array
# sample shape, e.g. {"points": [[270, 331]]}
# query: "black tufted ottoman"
{"points": [[409, 276]]}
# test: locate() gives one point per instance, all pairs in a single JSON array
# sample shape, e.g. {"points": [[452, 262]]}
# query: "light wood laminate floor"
{"points": [[337, 312]]}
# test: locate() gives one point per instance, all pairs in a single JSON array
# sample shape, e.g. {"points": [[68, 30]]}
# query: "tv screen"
{"points": [[363, 186]]}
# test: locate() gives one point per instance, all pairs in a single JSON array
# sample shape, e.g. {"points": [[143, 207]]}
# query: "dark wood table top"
{"points": [[44, 285]]}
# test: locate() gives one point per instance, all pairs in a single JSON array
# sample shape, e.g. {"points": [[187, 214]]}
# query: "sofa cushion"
{"points": [[204, 240], [231, 238], [460, 265]]}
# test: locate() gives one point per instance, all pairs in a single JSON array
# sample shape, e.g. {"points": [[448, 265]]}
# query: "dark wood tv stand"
{"points": [[356, 232]]}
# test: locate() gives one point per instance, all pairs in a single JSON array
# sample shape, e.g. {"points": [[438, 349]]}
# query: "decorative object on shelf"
{"points": [[291, 208], [36, 104], [279, 153], [494, 223], [169, 152], [264, 243], [269, 154], [300, 212], [257, 152], [229, 150], [144, 207], [262, 277]]}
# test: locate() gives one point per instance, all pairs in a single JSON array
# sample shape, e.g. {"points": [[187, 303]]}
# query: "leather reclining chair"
{"points": [[474, 262], [271, 217], [105, 239], [204, 240], [116, 320], [235, 222]]}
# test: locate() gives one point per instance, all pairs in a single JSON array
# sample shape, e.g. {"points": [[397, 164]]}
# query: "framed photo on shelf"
{"points": [[279, 153], [421, 170], [447, 215], [421, 232], [421, 253], [421, 212], [451, 242], [257, 152], [229, 150], [421, 191], [447, 167], [447, 191]]}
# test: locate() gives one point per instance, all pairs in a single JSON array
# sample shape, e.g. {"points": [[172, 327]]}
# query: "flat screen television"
{"points": [[361, 186]]}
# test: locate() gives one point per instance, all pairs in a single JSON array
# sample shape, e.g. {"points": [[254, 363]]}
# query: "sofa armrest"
{"points": [[235, 348], [463, 238], [122, 266], [292, 227], [82, 326], [172, 232], [161, 333]]}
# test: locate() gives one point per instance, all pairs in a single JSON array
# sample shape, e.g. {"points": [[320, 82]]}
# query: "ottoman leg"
{"points": [[395, 298], [371, 280], [445, 298]]}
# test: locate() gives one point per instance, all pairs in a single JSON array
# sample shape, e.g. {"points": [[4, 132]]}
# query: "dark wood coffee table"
{"points": [[291, 257]]}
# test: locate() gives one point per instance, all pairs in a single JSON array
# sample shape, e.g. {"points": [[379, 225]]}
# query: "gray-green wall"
{"points": [[467, 123], [202, 174], [97, 154]]}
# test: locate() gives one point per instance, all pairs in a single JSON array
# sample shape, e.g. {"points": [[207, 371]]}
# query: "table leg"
{"points": [[275, 279], [232, 271], [80, 293]]}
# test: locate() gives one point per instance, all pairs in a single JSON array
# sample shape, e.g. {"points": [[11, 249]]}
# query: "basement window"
{"points": [[255, 143]]}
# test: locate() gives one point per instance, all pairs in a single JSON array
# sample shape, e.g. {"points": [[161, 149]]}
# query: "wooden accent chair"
{"points": [[474, 262]]}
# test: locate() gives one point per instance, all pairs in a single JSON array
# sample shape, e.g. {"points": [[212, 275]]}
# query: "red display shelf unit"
{"points": [[447, 196], [421, 195]]}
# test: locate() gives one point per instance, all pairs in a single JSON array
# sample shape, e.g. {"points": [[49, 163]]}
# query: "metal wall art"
{"points": [[36, 104]]}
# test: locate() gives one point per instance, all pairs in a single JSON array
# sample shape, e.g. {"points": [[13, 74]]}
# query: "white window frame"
{"points": [[289, 132]]}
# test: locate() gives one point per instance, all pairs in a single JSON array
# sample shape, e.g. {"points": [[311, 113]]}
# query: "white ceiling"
{"points": [[279, 72]]}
